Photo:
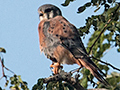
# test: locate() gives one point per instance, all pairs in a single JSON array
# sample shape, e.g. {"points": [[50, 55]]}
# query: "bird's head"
{"points": [[48, 11]]}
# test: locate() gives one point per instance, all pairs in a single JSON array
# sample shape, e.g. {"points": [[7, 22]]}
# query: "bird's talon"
{"points": [[55, 67]]}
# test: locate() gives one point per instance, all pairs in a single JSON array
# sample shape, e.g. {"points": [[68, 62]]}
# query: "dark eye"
{"points": [[47, 10], [40, 14]]}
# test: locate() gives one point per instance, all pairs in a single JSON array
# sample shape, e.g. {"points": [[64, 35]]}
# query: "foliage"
{"points": [[114, 81], [15, 81], [56, 85], [106, 35]]}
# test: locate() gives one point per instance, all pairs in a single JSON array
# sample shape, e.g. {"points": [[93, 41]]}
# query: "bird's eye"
{"points": [[47, 10], [41, 14]]}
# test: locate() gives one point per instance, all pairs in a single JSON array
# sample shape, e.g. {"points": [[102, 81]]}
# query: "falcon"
{"points": [[60, 41]]}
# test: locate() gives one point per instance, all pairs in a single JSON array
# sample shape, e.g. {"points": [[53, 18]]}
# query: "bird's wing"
{"points": [[59, 31]]}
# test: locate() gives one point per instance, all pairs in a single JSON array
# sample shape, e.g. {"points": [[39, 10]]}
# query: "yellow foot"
{"points": [[56, 67]]}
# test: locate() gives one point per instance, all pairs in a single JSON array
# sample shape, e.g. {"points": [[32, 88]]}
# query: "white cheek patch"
{"points": [[51, 14], [43, 17]]}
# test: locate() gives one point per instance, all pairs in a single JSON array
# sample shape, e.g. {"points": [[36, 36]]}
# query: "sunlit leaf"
{"points": [[84, 82], [2, 50], [7, 82]]}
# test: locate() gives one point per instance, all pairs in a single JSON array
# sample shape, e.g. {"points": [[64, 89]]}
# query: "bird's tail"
{"points": [[88, 64]]}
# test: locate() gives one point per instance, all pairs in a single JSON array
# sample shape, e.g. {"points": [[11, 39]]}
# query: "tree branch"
{"points": [[105, 63], [3, 67], [104, 28], [65, 77], [3, 73]]}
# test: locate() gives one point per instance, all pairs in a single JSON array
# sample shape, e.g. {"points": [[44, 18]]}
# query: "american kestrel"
{"points": [[60, 41]]}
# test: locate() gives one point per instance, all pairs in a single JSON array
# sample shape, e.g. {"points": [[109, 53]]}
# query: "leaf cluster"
{"points": [[17, 83], [56, 85], [114, 81], [97, 3], [14, 82], [109, 37]]}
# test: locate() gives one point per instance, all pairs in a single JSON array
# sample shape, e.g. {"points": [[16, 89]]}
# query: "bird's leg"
{"points": [[79, 68], [76, 70], [80, 64], [56, 67]]}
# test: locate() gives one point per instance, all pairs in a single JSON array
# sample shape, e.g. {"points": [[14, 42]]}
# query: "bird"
{"points": [[61, 43]]}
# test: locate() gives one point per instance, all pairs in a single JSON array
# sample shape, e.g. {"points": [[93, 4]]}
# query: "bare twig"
{"points": [[104, 28], [65, 77], [105, 63], [3, 73], [108, 50]]}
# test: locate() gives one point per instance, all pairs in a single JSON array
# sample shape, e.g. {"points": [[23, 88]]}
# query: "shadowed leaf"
{"points": [[88, 4], [67, 2], [81, 9]]}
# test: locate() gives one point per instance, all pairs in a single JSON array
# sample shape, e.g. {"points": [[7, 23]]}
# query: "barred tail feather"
{"points": [[93, 69]]}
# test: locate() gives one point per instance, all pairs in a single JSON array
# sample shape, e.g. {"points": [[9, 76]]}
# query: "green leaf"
{"points": [[81, 9], [84, 82], [109, 1], [7, 82], [94, 1], [94, 23], [88, 4], [2, 50], [68, 86], [106, 68], [39, 85], [118, 49], [115, 74], [66, 3], [87, 72], [19, 78]]}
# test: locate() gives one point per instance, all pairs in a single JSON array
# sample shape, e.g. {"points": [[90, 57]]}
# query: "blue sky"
{"points": [[19, 36]]}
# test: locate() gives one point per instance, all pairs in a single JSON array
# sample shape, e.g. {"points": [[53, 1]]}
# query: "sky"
{"points": [[19, 21]]}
